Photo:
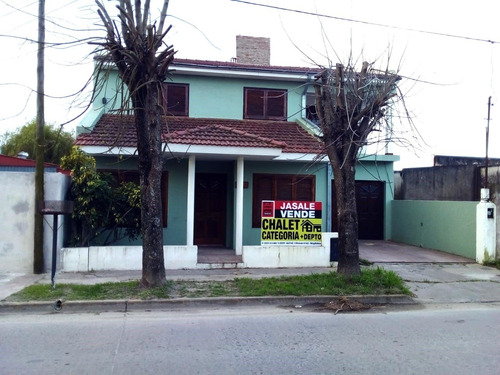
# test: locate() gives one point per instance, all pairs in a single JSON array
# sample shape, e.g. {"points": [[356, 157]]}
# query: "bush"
{"points": [[103, 210]]}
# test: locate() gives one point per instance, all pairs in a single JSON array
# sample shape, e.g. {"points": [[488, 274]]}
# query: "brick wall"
{"points": [[253, 50]]}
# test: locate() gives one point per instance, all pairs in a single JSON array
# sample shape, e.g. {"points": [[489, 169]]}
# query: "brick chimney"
{"points": [[253, 50]]}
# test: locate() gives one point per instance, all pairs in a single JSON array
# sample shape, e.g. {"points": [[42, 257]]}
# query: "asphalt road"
{"points": [[255, 340]]}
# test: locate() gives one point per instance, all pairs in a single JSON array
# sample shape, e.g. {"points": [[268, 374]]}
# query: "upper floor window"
{"points": [[176, 99], [311, 113], [265, 104]]}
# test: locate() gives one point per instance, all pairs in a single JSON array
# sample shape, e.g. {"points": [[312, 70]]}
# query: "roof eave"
{"points": [[176, 150], [244, 73]]}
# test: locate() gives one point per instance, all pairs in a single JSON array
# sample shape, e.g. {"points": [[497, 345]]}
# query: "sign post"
{"points": [[291, 223], [55, 208]]}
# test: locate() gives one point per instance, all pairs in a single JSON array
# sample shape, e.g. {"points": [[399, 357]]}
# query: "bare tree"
{"points": [[350, 106], [142, 59]]}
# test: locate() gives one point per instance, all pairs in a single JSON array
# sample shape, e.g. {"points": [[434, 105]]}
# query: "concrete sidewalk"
{"points": [[449, 282], [430, 282], [433, 277]]}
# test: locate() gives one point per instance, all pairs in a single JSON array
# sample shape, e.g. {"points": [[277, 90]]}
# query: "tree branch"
{"points": [[163, 16]]}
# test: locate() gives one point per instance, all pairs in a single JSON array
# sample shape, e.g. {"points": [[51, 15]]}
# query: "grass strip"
{"points": [[104, 291], [371, 281]]}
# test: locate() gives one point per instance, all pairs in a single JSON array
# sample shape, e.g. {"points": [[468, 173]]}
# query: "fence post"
{"points": [[485, 228]]}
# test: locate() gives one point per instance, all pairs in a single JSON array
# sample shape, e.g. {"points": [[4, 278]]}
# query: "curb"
{"points": [[183, 303]]}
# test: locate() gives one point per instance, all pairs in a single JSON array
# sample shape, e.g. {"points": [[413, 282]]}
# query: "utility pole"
{"points": [[487, 144], [38, 263]]}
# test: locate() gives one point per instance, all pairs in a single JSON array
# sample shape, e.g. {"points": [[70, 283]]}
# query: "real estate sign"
{"points": [[291, 223]]}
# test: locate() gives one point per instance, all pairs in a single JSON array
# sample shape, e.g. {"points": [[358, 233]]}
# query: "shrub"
{"points": [[103, 210]]}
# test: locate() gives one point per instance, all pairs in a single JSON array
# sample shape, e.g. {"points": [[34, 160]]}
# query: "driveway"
{"points": [[392, 252], [434, 276]]}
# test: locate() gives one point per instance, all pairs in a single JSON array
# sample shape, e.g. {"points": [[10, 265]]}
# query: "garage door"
{"points": [[370, 207]]}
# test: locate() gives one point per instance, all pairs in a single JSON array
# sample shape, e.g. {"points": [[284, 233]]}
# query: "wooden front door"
{"points": [[210, 209], [370, 207]]}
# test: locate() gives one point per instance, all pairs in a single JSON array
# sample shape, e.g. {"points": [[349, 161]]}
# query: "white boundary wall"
{"points": [[285, 256], [108, 258], [103, 258], [17, 210]]}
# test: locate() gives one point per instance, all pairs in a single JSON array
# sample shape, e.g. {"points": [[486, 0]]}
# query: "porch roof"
{"points": [[113, 130]]}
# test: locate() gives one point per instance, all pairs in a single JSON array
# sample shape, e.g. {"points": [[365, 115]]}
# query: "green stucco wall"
{"points": [[378, 170], [217, 97], [441, 225], [175, 232], [210, 97]]}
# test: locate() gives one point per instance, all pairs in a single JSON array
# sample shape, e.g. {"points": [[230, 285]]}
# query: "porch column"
{"points": [[190, 201], [239, 206]]}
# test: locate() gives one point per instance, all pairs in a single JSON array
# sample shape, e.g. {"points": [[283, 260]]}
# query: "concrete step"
{"points": [[214, 266]]}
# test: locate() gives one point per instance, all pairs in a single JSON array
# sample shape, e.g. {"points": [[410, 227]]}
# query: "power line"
{"points": [[369, 23], [34, 17]]}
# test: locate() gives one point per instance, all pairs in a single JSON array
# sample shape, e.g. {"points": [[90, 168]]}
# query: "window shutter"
{"points": [[284, 188], [276, 105], [305, 189], [176, 100], [264, 104], [262, 190], [254, 104]]}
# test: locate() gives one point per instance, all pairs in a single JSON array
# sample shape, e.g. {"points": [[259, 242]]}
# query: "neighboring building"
{"points": [[17, 208], [452, 178], [231, 125], [22, 164]]}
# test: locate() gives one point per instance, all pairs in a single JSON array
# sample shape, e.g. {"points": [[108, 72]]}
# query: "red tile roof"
{"points": [[117, 130]]}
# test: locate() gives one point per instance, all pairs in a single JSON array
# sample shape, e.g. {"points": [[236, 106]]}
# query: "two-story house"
{"points": [[235, 133]]}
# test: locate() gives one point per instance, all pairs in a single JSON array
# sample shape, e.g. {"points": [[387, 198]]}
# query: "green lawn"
{"points": [[371, 281]]}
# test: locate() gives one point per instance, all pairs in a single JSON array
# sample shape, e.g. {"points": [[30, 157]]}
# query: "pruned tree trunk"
{"points": [[143, 68], [350, 106], [343, 158], [148, 129], [344, 181]]}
